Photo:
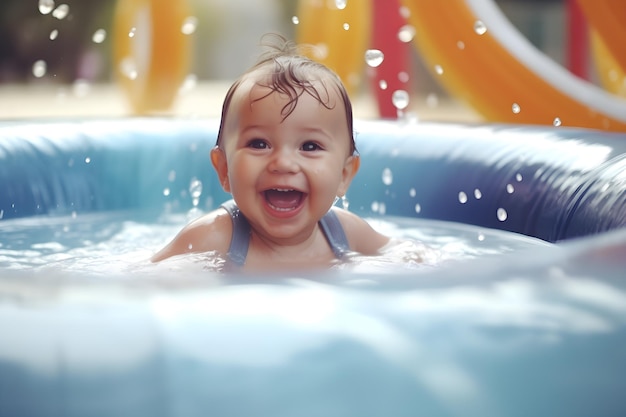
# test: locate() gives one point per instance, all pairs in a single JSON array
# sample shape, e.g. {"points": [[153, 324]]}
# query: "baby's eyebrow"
{"points": [[316, 129]]}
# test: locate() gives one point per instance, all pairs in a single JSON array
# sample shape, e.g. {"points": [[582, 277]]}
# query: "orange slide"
{"points": [[151, 52], [482, 59]]}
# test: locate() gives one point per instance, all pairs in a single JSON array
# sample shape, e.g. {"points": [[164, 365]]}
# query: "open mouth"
{"points": [[283, 199]]}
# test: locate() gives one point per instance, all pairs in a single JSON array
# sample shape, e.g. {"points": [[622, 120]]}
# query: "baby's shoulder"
{"points": [[210, 232], [362, 237]]}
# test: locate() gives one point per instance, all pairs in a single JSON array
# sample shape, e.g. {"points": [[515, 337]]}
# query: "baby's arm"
{"points": [[211, 232], [361, 236]]}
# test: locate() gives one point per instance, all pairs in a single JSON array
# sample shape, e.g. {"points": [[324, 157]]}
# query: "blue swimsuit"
{"points": [[238, 249]]}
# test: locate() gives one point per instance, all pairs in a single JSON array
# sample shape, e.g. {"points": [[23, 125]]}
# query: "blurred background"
{"points": [[57, 58]]}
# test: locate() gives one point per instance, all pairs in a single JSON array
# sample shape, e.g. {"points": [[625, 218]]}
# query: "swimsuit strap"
{"points": [[335, 234], [238, 249]]}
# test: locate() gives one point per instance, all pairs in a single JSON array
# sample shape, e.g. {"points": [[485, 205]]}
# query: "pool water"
{"points": [[121, 243]]}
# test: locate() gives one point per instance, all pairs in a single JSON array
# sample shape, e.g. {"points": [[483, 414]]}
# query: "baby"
{"points": [[285, 151]]}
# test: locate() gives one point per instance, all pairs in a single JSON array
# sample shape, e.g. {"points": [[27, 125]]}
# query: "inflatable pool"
{"points": [[538, 329]]}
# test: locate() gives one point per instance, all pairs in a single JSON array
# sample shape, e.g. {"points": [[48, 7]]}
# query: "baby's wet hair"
{"points": [[292, 74]]}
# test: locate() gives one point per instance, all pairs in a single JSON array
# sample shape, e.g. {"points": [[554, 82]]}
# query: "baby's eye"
{"points": [[311, 146], [257, 144]]}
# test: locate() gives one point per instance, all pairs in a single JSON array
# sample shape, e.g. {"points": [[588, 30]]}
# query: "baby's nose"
{"points": [[283, 162]]}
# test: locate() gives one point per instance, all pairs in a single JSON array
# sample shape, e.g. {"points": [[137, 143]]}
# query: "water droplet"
{"points": [[406, 33], [432, 100], [80, 87], [518, 177], [412, 192], [510, 189], [403, 77], [190, 24], [438, 69], [345, 204], [341, 4], [346, 26], [61, 11], [295, 20], [460, 45], [374, 57], [320, 51], [39, 68], [74, 214], [171, 176], [128, 68], [462, 197], [479, 27], [190, 246], [477, 194], [54, 34], [87, 160], [556, 122], [400, 99], [166, 192], [405, 12], [382, 84], [501, 214], [387, 176], [515, 108], [195, 189], [46, 6], [131, 33], [418, 208], [99, 36], [374, 206], [190, 83]]}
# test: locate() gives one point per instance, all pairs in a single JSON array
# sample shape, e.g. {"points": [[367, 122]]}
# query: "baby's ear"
{"points": [[350, 168], [218, 158]]}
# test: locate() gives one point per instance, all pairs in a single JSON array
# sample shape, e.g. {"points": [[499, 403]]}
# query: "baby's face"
{"points": [[284, 173]]}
